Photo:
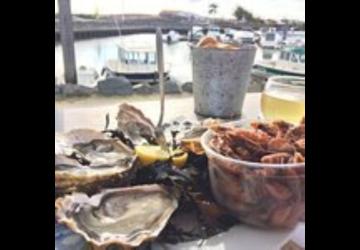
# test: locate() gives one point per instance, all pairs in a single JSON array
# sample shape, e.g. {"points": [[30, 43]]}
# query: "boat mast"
{"points": [[122, 15], [122, 19]]}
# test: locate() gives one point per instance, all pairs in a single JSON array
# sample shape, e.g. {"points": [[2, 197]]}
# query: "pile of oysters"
{"points": [[105, 196]]}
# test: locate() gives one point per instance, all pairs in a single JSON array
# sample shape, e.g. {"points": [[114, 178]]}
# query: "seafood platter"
{"points": [[124, 188]]}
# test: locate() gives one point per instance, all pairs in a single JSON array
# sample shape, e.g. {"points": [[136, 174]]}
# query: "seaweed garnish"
{"points": [[198, 217]]}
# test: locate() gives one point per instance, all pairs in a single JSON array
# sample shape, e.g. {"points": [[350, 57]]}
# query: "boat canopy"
{"points": [[136, 54], [271, 36]]}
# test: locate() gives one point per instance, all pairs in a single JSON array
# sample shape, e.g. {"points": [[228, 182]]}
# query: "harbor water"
{"points": [[95, 52]]}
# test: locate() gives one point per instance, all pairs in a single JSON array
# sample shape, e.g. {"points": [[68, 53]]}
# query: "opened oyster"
{"points": [[134, 124], [87, 161], [191, 140], [65, 142], [126, 217]]}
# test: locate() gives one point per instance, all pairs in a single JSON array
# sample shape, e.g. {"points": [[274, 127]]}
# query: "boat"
{"points": [[136, 62], [198, 32], [257, 37], [191, 33], [294, 38], [291, 61], [244, 36], [172, 37], [87, 76], [270, 39], [217, 32]]}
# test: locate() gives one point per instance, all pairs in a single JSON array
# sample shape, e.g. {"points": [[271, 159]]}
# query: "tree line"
{"points": [[243, 15]]}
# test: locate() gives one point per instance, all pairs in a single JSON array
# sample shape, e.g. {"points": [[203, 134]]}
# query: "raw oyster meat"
{"points": [[87, 161], [64, 142], [126, 217], [191, 139]]}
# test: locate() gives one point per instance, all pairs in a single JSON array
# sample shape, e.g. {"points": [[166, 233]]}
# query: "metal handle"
{"points": [[160, 64]]}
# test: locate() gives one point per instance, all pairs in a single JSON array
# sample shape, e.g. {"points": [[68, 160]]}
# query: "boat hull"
{"points": [[151, 77], [276, 71]]}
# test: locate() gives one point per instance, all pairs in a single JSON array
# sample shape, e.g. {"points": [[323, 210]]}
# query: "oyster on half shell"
{"points": [[191, 140], [126, 217], [65, 141], [134, 124], [87, 161]]}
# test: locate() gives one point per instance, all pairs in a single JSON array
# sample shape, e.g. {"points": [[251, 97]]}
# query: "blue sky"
{"points": [[275, 9]]}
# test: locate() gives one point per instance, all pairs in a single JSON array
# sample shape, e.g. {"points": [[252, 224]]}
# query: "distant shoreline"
{"points": [[88, 27], [90, 33]]}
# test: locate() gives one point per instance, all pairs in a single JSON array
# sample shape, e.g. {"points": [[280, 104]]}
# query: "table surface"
{"points": [[91, 114]]}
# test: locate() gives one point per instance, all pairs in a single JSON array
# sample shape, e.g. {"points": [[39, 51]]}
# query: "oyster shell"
{"points": [[86, 162], [134, 124], [126, 217], [64, 142], [191, 140]]}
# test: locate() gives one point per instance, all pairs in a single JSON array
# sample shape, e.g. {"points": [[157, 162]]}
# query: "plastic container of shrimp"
{"points": [[263, 195]]}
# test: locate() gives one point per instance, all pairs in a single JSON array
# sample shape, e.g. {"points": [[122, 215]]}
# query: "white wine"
{"points": [[288, 105]]}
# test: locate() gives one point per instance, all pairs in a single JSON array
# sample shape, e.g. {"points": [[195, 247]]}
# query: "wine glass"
{"points": [[284, 99]]}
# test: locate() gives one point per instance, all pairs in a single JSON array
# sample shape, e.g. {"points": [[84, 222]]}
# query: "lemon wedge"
{"points": [[179, 158], [149, 154]]}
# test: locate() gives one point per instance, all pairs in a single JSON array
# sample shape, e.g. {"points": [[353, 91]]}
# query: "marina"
{"points": [[136, 61], [94, 53], [178, 128], [290, 61]]}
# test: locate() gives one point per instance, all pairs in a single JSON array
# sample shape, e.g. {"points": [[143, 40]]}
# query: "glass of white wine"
{"points": [[284, 99]]}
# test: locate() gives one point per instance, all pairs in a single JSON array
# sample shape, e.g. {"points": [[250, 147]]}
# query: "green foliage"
{"points": [[241, 13], [213, 8], [271, 22]]}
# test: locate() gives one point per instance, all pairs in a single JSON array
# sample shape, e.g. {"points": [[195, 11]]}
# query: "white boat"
{"points": [[136, 61], [295, 38], [243, 36], [257, 36], [172, 37], [291, 61], [270, 39], [191, 33], [87, 76], [214, 31], [217, 32]]}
